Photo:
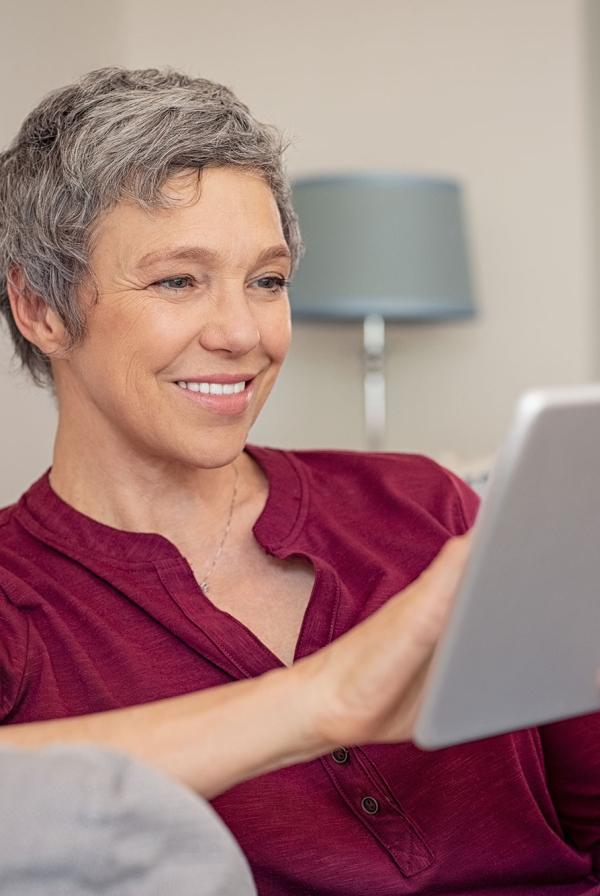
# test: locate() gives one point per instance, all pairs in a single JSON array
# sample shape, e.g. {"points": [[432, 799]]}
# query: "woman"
{"points": [[148, 240]]}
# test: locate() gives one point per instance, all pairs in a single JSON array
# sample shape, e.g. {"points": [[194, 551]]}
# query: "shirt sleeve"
{"points": [[13, 653], [572, 755]]}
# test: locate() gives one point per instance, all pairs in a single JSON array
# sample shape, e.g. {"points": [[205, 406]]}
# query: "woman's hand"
{"points": [[367, 685]]}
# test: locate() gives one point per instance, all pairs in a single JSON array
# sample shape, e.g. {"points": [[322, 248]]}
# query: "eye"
{"points": [[175, 284], [272, 283]]}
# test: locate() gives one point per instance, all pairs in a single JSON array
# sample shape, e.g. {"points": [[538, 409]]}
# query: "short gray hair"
{"points": [[115, 134]]}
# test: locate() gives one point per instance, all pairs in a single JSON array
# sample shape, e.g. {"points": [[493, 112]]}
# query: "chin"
{"points": [[210, 453]]}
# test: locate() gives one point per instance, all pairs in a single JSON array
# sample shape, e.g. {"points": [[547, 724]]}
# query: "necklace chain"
{"points": [[204, 582]]}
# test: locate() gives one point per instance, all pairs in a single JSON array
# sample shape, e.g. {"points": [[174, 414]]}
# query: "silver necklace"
{"points": [[204, 582]]}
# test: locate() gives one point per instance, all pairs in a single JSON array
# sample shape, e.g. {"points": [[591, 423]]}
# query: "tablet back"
{"points": [[522, 645]]}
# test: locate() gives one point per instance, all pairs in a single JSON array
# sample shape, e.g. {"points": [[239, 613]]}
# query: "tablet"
{"points": [[522, 643]]}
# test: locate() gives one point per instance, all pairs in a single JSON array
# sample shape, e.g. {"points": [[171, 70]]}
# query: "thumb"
{"points": [[447, 568], [431, 596]]}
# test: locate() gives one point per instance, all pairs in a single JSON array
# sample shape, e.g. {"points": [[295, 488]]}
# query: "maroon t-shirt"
{"points": [[94, 618]]}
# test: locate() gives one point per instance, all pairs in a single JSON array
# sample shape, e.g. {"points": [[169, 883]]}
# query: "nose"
{"points": [[231, 326]]}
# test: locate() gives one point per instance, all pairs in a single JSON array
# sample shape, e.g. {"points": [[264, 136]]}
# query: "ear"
{"points": [[36, 321]]}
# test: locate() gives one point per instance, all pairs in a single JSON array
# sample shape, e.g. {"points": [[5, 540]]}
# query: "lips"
{"points": [[213, 394]]}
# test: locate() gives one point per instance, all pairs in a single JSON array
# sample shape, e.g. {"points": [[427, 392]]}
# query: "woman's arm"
{"points": [[363, 688], [209, 739]]}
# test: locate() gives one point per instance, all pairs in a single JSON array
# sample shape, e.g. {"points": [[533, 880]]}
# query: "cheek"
{"points": [[144, 339], [115, 329], [276, 333]]}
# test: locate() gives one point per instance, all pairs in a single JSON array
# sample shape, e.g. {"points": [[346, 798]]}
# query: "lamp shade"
{"points": [[392, 245]]}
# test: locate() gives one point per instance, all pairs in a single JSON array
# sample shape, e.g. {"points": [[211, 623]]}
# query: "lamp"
{"points": [[380, 247]]}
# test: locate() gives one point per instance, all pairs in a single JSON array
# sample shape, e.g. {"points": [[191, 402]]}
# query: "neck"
{"points": [[118, 486]]}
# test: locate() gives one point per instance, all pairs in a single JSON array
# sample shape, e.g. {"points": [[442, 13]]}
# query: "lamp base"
{"points": [[374, 379]]}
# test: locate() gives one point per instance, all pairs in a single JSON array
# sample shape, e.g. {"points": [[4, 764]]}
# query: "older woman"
{"points": [[147, 242]]}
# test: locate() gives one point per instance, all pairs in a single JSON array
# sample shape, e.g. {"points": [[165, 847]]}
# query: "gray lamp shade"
{"points": [[392, 245]]}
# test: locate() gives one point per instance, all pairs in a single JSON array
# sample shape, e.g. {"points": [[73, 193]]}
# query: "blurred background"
{"points": [[502, 95]]}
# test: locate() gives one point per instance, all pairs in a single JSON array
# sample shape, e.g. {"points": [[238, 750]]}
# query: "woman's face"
{"points": [[191, 323]]}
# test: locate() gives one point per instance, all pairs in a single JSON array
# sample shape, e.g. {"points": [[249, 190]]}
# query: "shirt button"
{"points": [[370, 805], [341, 755]]}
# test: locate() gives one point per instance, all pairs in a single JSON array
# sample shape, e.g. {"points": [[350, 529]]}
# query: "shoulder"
{"points": [[411, 472], [11, 514], [6, 515], [14, 642], [14, 552], [19, 560], [367, 484], [20, 542]]}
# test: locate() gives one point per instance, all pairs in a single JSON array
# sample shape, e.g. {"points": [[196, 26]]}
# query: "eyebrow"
{"points": [[207, 256]]}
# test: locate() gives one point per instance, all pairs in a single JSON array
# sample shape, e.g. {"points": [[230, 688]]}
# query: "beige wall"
{"points": [[44, 45], [496, 93]]}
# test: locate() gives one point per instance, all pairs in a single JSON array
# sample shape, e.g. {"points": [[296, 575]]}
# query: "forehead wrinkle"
{"points": [[204, 255]]}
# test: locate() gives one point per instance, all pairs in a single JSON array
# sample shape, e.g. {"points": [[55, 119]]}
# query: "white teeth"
{"points": [[213, 388]]}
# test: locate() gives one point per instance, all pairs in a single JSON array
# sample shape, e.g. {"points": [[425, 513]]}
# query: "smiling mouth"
{"points": [[213, 388]]}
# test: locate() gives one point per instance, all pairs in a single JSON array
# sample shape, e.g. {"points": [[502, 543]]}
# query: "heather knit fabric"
{"points": [[82, 820]]}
